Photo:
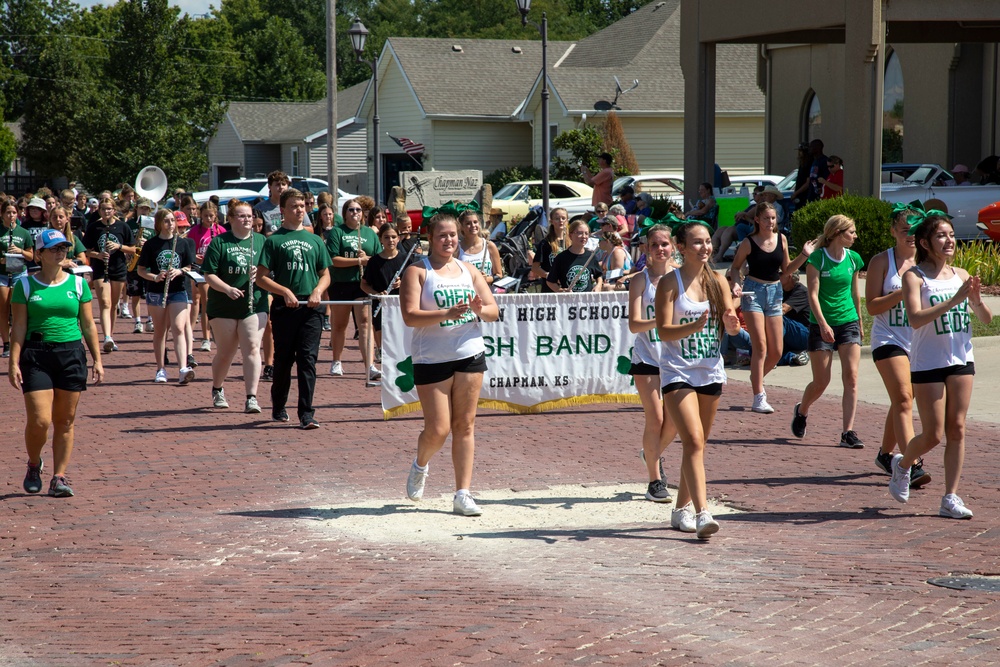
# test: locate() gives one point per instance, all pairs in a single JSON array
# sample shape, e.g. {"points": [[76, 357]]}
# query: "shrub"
{"points": [[979, 259], [502, 177], [871, 218]]}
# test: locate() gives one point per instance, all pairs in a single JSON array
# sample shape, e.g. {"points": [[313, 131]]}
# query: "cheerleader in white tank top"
{"points": [[443, 299], [890, 339], [658, 431], [690, 304], [476, 250], [938, 298]]}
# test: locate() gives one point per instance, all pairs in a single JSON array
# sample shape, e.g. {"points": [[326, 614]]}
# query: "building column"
{"points": [[698, 66], [864, 65]]}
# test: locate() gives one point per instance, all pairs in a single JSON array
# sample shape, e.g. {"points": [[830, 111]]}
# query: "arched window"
{"points": [[892, 110], [812, 118]]}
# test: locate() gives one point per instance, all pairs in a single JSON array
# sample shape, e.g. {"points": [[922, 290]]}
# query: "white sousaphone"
{"points": [[151, 184]]}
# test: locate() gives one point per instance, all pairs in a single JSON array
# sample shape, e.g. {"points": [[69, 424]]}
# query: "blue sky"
{"points": [[189, 6]]}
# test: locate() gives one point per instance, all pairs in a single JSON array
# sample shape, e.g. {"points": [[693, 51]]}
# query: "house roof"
{"points": [[645, 45], [286, 122], [486, 77]]}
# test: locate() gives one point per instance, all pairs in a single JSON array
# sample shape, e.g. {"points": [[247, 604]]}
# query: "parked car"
{"points": [[989, 221], [314, 185], [515, 199], [963, 202]]}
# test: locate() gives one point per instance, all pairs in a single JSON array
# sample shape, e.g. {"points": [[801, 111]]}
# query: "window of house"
{"points": [[295, 161]]}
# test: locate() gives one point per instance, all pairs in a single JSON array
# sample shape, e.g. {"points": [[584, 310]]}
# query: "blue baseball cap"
{"points": [[50, 238]]}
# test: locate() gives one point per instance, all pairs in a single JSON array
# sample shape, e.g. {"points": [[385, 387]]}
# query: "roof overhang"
{"points": [[319, 134]]}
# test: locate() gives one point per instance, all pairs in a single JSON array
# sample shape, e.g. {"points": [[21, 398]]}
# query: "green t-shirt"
{"points": [[14, 237], [295, 259], [53, 310], [229, 258], [342, 241], [78, 247], [835, 278]]}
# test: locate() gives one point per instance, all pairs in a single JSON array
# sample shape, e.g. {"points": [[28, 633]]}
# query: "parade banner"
{"points": [[547, 351]]}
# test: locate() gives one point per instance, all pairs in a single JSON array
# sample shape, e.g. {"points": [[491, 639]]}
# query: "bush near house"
{"points": [[871, 218]]}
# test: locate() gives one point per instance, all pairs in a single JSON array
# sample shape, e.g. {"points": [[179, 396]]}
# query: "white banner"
{"points": [[547, 351]]}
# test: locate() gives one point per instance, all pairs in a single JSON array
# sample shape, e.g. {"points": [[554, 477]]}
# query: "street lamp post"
{"points": [[359, 36], [524, 6]]}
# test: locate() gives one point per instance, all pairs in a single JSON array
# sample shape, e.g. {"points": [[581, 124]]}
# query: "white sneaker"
{"points": [[415, 481], [187, 374], [683, 519], [109, 345], [219, 399], [138, 327], [252, 407], [149, 326], [126, 312], [953, 508], [706, 525], [374, 373], [206, 345], [378, 355], [899, 483], [465, 505], [161, 376], [336, 368], [761, 405]]}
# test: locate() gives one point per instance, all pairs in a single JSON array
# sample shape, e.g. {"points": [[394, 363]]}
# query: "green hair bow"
{"points": [[452, 208], [920, 217], [899, 207], [670, 220]]}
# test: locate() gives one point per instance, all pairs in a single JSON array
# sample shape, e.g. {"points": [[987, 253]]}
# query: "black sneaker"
{"points": [[268, 374], [642, 455], [33, 478], [657, 492], [850, 440], [798, 423], [918, 476], [192, 362], [6, 351], [58, 488], [308, 424], [326, 323], [279, 415], [884, 462]]}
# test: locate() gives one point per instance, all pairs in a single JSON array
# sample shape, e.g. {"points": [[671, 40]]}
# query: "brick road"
{"points": [[200, 537]]}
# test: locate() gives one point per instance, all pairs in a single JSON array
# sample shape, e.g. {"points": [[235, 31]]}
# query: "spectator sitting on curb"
{"points": [[795, 321]]}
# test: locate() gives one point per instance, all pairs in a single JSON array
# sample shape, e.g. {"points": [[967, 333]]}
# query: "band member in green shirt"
{"points": [[15, 242], [294, 267], [52, 313]]}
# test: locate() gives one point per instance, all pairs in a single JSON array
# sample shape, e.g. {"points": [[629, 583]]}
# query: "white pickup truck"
{"points": [[962, 201]]}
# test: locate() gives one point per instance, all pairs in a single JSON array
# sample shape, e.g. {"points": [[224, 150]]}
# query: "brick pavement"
{"points": [[199, 537]]}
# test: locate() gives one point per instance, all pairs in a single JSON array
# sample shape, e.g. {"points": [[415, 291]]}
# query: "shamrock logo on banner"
{"points": [[405, 380], [625, 365]]}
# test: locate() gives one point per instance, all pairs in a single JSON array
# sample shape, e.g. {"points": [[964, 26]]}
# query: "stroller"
{"points": [[514, 250]]}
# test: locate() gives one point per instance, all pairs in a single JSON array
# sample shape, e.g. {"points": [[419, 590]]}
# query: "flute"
{"points": [[250, 267], [406, 262], [166, 275]]}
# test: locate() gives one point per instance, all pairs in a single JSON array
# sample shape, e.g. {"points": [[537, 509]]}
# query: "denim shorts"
{"points": [[156, 298], [848, 333], [8, 281], [761, 297]]}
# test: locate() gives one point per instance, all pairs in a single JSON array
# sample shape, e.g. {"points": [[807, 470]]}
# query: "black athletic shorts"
{"points": [[117, 277], [714, 389], [432, 373], [941, 374], [345, 292], [643, 368], [134, 285], [53, 366], [888, 352]]}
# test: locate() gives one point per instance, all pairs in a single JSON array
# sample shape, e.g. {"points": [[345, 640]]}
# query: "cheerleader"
{"points": [[938, 297], [692, 305], [658, 431], [890, 338]]}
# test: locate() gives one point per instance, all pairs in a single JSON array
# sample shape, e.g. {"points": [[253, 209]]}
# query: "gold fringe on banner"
{"points": [[517, 409]]}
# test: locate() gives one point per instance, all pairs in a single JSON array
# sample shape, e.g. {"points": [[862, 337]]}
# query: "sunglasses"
{"points": [[354, 210]]}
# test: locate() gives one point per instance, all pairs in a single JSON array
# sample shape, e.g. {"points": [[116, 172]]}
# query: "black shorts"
{"points": [[46, 366], [642, 368], [888, 352], [433, 373], [941, 374], [134, 285], [115, 277], [848, 333], [345, 292], [714, 389]]}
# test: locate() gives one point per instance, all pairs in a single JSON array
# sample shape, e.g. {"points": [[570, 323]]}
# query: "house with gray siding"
{"points": [[255, 138]]}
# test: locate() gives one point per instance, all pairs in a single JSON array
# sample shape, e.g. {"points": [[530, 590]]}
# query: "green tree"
{"points": [[8, 147]]}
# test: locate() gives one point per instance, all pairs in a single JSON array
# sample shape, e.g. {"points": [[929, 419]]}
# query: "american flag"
{"points": [[409, 147]]}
